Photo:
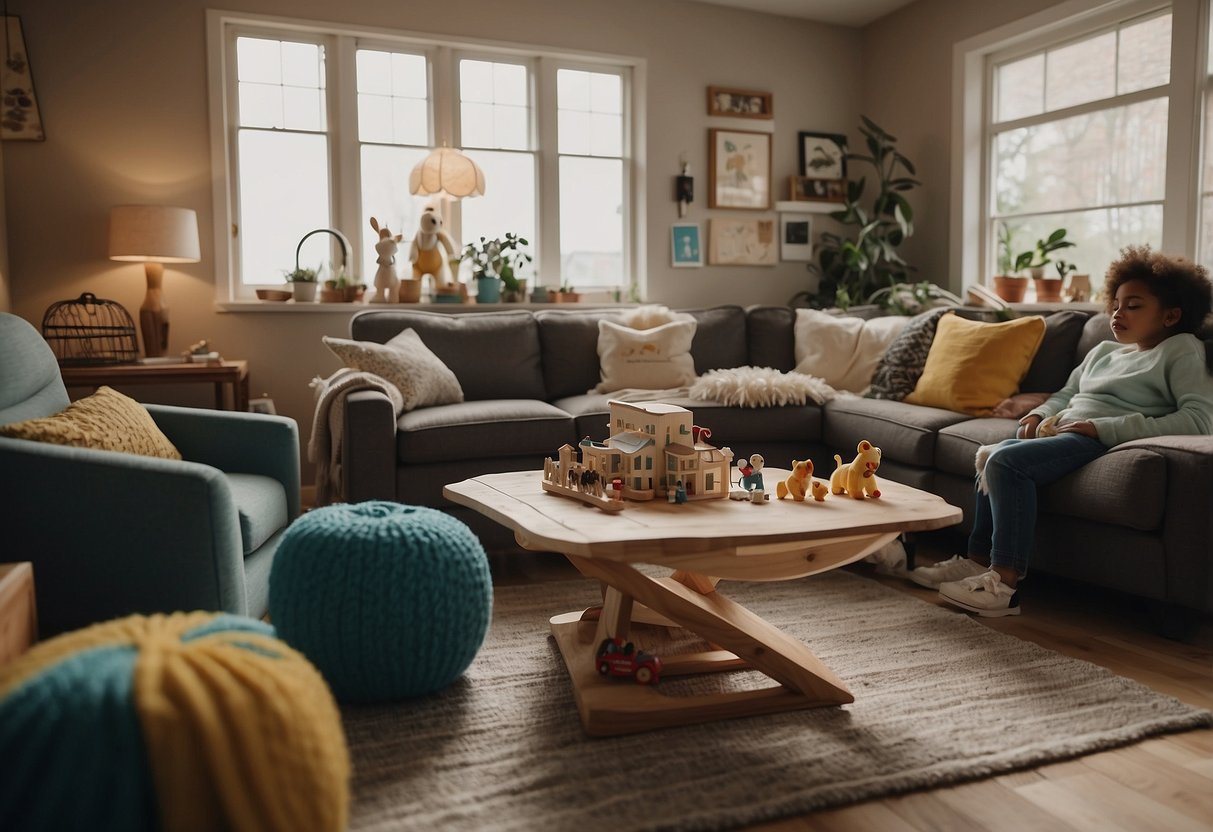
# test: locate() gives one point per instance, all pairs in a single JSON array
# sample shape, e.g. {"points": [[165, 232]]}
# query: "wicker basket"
{"points": [[90, 331]]}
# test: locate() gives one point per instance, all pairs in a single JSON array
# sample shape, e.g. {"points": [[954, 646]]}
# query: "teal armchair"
{"points": [[110, 534]]}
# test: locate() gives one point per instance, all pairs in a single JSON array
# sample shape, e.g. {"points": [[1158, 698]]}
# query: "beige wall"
{"points": [[907, 89], [123, 93]]}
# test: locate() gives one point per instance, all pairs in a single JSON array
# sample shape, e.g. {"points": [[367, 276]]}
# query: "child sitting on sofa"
{"points": [[1151, 381]]}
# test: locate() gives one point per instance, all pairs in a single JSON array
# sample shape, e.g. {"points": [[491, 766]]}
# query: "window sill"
{"points": [[289, 306]]}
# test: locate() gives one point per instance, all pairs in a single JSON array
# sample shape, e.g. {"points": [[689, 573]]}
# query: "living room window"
{"points": [[318, 126], [1077, 139]]}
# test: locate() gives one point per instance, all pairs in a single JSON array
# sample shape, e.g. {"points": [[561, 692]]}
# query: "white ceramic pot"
{"points": [[304, 292]]}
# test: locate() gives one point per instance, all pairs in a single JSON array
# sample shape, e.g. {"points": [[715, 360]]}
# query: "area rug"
{"points": [[939, 699]]}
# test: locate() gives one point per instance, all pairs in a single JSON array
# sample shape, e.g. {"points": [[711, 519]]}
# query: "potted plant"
{"points": [[494, 267], [1038, 258], [1048, 289], [851, 270], [912, 298], [565, 294], [303, 284], [340, 289], [1009, 284]]}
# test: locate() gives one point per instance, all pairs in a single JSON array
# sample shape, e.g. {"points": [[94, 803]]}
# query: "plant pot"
{"points": [[346, 294], [563, 297], [1010, 288], [488, 290], [515, 295], [410, 291], [539, 295], [1078, 290], [1048, 290], [304, 291]]}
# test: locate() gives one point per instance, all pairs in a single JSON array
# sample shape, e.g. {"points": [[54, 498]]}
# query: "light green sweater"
{"points": [[1129, 393]]}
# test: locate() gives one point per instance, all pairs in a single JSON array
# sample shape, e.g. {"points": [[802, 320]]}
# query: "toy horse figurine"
{"points": [[387, 285]]}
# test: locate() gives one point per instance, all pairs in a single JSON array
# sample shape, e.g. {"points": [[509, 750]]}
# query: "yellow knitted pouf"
{"points": [[186, 721]]}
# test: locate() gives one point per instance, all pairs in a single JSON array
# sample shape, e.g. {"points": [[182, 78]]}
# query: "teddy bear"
{"points": [[386, 283], [424, 253], [797, 485], [858, 477]]}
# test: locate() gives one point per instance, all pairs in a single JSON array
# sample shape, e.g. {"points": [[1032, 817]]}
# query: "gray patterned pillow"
{"points": [[897, 374], [406, 362]]}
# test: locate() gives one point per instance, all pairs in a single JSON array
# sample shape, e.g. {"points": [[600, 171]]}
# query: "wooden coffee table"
{"points": [[703, 541]]}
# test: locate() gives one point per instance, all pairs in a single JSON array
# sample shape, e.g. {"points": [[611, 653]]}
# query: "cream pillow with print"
{"points": [[645, 359], [406, 362], [842, 351]]}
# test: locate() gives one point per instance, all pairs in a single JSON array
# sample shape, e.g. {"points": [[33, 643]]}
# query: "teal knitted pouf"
{"points": [[388, 601]]}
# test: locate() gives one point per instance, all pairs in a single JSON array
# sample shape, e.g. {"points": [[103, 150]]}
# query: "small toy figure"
{"points": [[387, 285], [680, 493], [797, 485], [820, 490], [858, 477], [751, 475], [618, 659], [424, 253], [617, 489]]}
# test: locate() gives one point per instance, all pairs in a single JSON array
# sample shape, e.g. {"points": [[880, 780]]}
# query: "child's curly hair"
{"points": [[1176, 281]]}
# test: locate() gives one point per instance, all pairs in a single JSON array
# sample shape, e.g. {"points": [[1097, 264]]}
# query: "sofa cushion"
{"points": [[720, 338], [261, 505], [30, 385], [1055, 358], [1124, 487], [903, 432], [956, 445], [483, 428], [404, 361], [1097, 328], [902, 363], [769, 337], [646, 359], [568, 341], [495, 355], [104, 421], [973, 366], [843, 350]]}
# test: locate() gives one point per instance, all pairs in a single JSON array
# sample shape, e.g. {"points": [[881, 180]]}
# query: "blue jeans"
{"points": [[1005, 519]]}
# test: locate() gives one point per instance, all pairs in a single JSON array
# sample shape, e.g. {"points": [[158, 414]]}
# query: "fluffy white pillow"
{"points": [[406, 362], [648, 359], [843, 351]]}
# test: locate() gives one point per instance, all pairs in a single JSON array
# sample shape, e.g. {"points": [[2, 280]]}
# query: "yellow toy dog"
{"points": [[857, 477], [796, 485]]}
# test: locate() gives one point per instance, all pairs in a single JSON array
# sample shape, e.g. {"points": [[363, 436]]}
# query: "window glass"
{"points": [[280, 84], [494, 111], [508, 204], [591, 221], [393, 106], [386, 197], [1081, 72], [1020, 88], [1101, 234], [1144, 55]]}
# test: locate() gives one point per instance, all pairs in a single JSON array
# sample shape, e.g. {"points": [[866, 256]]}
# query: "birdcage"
{"points": [[90, 331]]}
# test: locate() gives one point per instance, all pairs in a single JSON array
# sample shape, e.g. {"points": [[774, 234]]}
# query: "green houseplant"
{"points": [[499, 259], [303, 284], [853, 267]]}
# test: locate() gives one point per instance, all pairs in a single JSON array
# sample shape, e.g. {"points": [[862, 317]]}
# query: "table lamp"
{"points": [[154, 235]]}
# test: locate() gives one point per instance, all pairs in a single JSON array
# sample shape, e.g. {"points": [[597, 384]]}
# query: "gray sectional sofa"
{"points": [[1138, 520]]}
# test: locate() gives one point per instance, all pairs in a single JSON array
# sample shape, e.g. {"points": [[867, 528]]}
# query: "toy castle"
{"points": [[653, 450]]}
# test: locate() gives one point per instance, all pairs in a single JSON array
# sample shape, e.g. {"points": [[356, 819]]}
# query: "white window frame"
{"points": [[970, 256], [442, 53]]}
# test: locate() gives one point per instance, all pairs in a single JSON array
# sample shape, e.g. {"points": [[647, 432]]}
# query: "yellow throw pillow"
{"points": [[104, 421], [972, 366]]}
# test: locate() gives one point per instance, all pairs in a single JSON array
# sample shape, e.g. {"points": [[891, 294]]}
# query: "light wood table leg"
{"points": [[613, 706]]}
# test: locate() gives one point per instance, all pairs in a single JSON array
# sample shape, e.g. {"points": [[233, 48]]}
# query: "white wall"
{"points": [[122, 90]]}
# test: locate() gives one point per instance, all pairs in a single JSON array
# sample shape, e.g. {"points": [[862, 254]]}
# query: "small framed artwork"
{"points": [[795, 237], [805, 189], [823, 155], [263, 404], [686, 251], [724, 101], [742, 243], [739, 169], [21, 119]]}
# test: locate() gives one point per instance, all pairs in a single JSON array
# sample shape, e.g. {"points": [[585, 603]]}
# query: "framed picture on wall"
{"points": [[806, 189], [724, 101], [739, 169], [823, 155], [685, 248], [796, 237], [742, 243]]}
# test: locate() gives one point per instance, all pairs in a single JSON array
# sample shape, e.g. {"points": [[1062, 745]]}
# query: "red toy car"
{"points": [[618, 659]]}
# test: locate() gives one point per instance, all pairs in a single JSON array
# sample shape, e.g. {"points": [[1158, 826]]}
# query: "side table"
{"points": [[233, 374], [18, 615]]}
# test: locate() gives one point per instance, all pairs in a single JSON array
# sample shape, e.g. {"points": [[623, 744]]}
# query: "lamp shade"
{"points": [[154, 234], [447, 172]]}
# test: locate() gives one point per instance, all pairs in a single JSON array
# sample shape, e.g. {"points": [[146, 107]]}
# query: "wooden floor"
{"points": [[1163, 784]]}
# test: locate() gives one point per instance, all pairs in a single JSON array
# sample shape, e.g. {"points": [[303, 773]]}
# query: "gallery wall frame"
{"points": [[739, 169], [686, 248], [807, 189], [823, 155], [796, 237], [20, 119], [735, 103], [742, 242]]}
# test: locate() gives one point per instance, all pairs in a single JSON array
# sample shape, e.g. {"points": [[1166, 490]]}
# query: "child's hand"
{"points": [[1085, 428], [1027, 426]]}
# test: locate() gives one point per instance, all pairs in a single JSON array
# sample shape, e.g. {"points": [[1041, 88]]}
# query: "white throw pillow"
{"points": [[647, 359], [844, 351], [406, 362]]}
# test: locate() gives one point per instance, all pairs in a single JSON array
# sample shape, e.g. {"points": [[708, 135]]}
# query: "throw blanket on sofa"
{"points": [[328, 425], [761, 387]]}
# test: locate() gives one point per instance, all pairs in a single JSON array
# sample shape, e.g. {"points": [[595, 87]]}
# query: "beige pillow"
{"points": [[406, 362], [646, 359], [842, 351], [104, 421]]}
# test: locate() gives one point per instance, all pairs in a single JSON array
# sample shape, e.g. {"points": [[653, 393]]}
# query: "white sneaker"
{"points": [[955, 568], [984, 594]]}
